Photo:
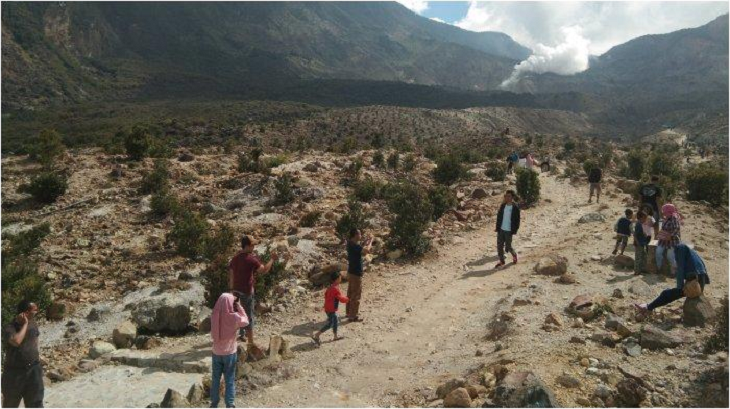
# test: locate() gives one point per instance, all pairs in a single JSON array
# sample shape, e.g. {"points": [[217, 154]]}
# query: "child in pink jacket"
{"points": [[228, 316]]}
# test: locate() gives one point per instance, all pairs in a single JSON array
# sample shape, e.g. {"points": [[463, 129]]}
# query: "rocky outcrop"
{"points": [[697, 312], [655, 338], [168, 313], [553, 265], [523, 389]]}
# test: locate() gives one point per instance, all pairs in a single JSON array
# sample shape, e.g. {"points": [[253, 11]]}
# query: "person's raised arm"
{"points": [[265, 268], [368, 246], [17, 338]]}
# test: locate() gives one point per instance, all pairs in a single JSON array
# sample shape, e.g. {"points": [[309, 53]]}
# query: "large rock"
{"points": [[124, 335], [479, 193], [98, 313], [448, 386], [655, 338], [592, 218], [196, 394], [623, 261], [628, 186], [697, 312], [100, 348], [523, 389], [553, 265], [458, 398], [630, 394], [582, 306], [568, 381], [173, 399], [169, 313]]}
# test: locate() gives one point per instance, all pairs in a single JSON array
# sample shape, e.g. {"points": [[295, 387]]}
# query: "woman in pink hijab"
{"points": [[228, 316], [669, 236]]}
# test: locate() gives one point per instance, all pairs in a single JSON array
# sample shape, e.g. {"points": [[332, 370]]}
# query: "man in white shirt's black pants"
{"points": [[508, 222]]}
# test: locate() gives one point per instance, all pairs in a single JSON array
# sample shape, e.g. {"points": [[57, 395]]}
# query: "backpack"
{"points": [[648, 190], [595, 175]]}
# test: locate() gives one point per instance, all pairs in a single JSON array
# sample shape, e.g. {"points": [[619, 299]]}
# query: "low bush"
{"points": [[409, 163], [442, 200], [449, 170], [46, 187], [218, 243], [47, 148], [707, 182], [497, 171], [188, 233], [137, 143], [23, 243], [274, 161], [251, 161], [665, 163], [589, 164], [163, 204], [157, 180], [367, 189], [284, 190], [393, 159], [355, 218], [215, 280], [310, 219], [378, 159], [718, 341], [20, 280], [412, 212], [266, 283], [528, 185]]}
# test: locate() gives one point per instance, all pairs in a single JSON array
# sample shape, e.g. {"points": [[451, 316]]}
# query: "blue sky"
{"points": [[448, 11]]}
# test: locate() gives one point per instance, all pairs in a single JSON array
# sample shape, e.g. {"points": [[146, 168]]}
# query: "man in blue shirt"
{"points": [[508, 222]]}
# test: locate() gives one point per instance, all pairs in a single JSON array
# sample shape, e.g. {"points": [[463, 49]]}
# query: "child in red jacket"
{"points": [[332, 299]]}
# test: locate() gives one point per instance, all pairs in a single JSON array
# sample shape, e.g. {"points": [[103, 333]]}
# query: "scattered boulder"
{"points": [[655, 338], [697, 312], [553, 265], [204, 325], [448, 386], [630, 394], [98, 313], [568, 381], [566, 278], [124, 335], [632, 348], [100, 348], [582, 306], [592, 218], [311, 167], [623, 261], [554, 319], [144, 342], [56, 311], [523, 389], [476, 390], [458, 398], [479, 193], [185, 157], [394, 255], [196, 394], [605, 339], [173, 399], [641, 289], [169, 313], [617, 293]]}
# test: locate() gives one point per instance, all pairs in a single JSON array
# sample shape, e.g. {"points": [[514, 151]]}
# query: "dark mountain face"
{"points": [[79, 50]]}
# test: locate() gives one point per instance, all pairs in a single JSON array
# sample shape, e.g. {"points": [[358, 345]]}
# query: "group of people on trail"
{"points": [[513, 159]]}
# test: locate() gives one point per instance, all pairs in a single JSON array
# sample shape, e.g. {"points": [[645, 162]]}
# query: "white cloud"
{"points": [[563, 34], [437, 19], [418, 6]]}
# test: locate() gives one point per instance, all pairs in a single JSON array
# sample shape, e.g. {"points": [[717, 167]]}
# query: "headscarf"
{"points": [[689, 264], [669, 210], [224, 320]]}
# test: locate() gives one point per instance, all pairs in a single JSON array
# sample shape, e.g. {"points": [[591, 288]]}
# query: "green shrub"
{"points": [[442, 200], [251, 161], [47, 148], [571, 170], [163, 203], [46, 187], [528, 185], [284, 190], [157, 180], [159, 148], [310, 219], [431, 151], [218, 243], [412, 211], [449, 170], [635, 163], [266, 283], [378, 159], [497, 171], [409, 163], [665, 163], [215, 280], [355, 218], [718, 341], [568, 146], [393, 161], [188, 234], [137, 143], [23, 243], [588, 165], [707, 182], [274, 161], [20, 280], [367, 189]]}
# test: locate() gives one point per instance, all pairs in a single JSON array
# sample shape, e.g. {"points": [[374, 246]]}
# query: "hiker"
{"points": [[641, 242], [529, 161], [512, 159], [508, 222], [623, 231], [22, 377], [332, 299], [594, 181], [691, 274], [227, 318], [669, 236], [243, 270], [355, 252], [650, 193]]}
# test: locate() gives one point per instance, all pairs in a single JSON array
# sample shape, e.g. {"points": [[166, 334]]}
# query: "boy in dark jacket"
{"points": [[508, 222], [623, 231], [594, 180], [332, 299], [641, 241]]}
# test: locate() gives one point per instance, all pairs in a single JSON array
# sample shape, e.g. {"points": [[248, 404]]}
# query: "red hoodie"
{"points": [[332, 298]]}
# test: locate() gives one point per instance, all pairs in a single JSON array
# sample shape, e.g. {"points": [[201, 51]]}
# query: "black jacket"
{"points": [[515, 224]]}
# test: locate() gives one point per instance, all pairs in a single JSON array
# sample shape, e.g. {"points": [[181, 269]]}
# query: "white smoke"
{"points": [[567, 58], [418, 6]]}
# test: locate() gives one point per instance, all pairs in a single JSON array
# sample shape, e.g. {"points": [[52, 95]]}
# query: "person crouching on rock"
{"points": [[508, 222], [691, 280], [227, 318], [332, 299]]}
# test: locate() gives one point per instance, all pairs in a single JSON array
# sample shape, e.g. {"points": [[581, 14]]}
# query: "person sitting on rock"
{"points": [[691, 273], [669, 236], [641, 242], [508, 222], [623, 231], [355, 253], [332, 299], [227, 318]]}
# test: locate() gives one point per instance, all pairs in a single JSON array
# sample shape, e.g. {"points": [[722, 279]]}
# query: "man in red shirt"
{"points": [[243, 269]]}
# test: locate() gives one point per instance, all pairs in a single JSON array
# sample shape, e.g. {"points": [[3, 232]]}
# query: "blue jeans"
{"points": [[248, 302], [659, 254], [332, 322], [223, 365]]}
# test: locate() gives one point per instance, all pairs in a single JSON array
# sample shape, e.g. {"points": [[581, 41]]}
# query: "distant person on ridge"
{"points": [[650, 194], [508, 222], [227, 317], [623, 232], [22, 372], [594, 180], [512, 159], [355, 253], [243, 269]]}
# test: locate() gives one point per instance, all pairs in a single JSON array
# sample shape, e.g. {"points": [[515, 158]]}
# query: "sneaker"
{"points": [[514, 259], [500, 264], [614, 252]]}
